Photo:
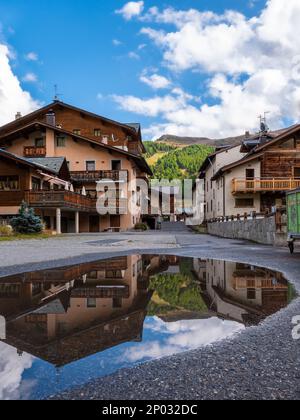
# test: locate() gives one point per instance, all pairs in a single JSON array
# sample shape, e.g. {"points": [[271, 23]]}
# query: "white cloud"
{"points": [[181, 336], [245, 66], [131, 9], [133, 55], [12, 97], [12, 367], [32, 56], [30, 78], [117, 42], [155, 81]]}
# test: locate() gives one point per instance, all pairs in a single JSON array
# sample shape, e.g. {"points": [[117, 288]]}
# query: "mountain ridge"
{"points": [[181, 142]]}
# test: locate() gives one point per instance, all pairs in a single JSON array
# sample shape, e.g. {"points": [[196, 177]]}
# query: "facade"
{"points": [[253, 177], [240, 292], [53, 314], [104, 158]]}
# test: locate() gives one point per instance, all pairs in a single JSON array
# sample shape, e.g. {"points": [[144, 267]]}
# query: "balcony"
{"points": [[11, 198], [102, 292], [60, 199], [95, 176], [32, 151], [264, 185]]}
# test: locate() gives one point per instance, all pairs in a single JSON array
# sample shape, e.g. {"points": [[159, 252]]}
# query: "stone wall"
{"points": [[262, 231]]}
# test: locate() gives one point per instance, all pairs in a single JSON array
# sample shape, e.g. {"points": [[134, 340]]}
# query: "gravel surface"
{"points": [[260, 363]]}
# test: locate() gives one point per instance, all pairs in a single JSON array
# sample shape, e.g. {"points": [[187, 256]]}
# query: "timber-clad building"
{"points": [[54, 158]]}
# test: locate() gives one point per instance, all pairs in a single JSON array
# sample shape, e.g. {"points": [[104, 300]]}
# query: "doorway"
{"points": [[94, 225], [115, 222]]}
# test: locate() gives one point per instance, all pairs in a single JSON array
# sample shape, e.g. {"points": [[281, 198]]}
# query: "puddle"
{"points": [[67, 326]]}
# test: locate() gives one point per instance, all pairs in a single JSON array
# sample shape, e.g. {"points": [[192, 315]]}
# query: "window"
{"points": [[297, 172], [251, 294], [244, 203], [77, 131], [117, 303], [60, 141], [90, 165], [97, 132], [91, 303], [116, 165], [92, 194], [40, 142], [250, 173], [9, 183], [105, 139], [36, 183]]}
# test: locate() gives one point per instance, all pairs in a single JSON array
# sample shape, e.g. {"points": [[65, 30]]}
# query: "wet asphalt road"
{"points": [[261, 363]]}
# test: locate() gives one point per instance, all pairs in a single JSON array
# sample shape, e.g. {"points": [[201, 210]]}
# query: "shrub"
{"points": [[141, 226], [26, 221], [6, 230]]}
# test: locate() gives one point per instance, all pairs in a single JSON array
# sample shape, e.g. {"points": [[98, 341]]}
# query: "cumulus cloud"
{"points": [[177, 337], [246, 66], [131, 9], [12, 97], [30, 78], [12, 367], [155, 81], [32, 56]]}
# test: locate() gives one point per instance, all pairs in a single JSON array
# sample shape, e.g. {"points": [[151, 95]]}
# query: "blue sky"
{"points": [[97, 57]]}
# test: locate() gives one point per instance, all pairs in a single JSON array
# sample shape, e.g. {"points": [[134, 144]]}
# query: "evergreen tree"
{"points": [[26, 221]]}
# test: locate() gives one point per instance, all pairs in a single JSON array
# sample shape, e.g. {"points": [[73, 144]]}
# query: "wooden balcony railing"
{"points": [[32, 151], [264, 185], [102, 292], [244, 283], [60, 199], [11, 198], [94, 176]]}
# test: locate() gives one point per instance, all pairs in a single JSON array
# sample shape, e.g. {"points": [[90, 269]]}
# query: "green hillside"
{"points": [[169, 162]]}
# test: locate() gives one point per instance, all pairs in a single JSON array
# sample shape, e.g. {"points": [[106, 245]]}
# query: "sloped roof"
{"points": [[26, 161], [53, 163], [53, 105], [135, 126], [139, 160]]}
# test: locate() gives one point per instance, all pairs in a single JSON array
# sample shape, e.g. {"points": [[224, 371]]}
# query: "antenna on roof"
{"points": [[56, 94], [264, 128]]}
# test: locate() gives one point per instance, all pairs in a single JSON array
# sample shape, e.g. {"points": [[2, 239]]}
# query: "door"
{"points": [[250, 177], [115, 222], [94, 224]]}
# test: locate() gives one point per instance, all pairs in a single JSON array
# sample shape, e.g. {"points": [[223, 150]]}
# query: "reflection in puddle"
{"points": [[69, 325]]}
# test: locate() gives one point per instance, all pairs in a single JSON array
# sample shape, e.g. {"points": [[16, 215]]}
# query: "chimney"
{"points": [[247, 134], [50, 118], [18, 116]]}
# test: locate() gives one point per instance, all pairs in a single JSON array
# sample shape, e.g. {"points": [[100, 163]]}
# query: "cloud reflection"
{"points": [[165, 339], [12, 367]]}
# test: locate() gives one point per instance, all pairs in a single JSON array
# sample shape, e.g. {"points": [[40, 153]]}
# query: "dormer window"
{"points": [[105, 139]]}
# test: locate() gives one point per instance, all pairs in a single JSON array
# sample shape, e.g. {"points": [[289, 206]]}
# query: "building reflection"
{"points": [[66, 314], [241, 292]]}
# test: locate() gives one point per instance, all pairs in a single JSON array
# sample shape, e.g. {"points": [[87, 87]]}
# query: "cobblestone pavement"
{"points": [[261, 363]]}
